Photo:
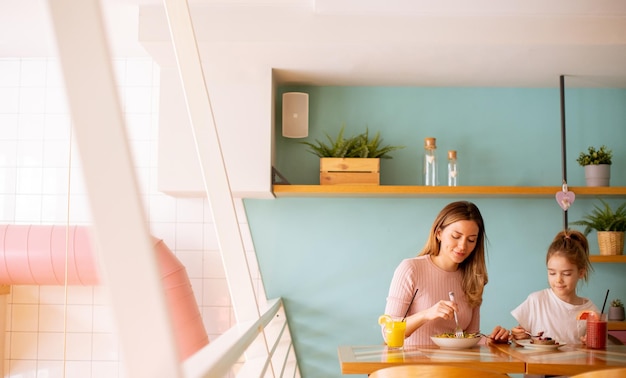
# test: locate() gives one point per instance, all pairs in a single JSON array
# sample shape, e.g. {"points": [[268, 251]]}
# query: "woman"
{"points": [[453, 260]]}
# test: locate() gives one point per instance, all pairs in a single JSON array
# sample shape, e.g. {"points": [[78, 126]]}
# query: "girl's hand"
{"points": [[519, 333], [442, 309]]}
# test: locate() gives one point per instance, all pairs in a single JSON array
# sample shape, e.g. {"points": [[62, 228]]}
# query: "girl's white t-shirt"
{"points": [[544, 311]]}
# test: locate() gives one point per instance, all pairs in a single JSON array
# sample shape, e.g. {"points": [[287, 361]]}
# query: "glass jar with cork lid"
{"points": [[430, 162], [453, 171]]}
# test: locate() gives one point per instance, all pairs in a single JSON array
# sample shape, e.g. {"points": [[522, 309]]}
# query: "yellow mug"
{"points": [[394, 331]]}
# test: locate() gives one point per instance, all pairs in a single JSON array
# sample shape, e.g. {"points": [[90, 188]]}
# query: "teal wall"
{"points": [[332, 259]]}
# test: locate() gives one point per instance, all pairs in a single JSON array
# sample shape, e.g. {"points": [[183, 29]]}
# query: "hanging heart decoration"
{"points": [[564, 198]]}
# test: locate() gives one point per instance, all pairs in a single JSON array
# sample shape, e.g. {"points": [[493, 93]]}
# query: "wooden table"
{"points": [[365, 359], [567, 360]]}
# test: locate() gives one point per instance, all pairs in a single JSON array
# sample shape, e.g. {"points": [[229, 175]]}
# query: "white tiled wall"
{"points": [[54, 331]]}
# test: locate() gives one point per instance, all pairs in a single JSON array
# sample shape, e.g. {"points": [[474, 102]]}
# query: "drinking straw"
{"points": [[604, 304], [410, 303]]}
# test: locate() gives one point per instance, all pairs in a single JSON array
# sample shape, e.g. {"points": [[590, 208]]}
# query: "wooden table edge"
{"points": [[515, 366], [558, 368]]}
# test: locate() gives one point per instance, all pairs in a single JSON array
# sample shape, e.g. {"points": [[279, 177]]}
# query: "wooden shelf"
{"points": [[608, 259], [404, 191], [617, 326]]}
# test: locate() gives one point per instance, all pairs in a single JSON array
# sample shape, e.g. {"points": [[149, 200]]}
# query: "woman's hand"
{"points": [[442, 309], [519, 333], [499, 335]]}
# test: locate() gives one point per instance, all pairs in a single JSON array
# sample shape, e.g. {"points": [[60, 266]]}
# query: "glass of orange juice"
{"points": [[394, 331]]}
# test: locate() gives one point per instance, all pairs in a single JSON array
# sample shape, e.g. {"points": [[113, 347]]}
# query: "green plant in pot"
{"points": [[616, 311], [610, 225], [597, 165], [358, 146], [351, 161]]}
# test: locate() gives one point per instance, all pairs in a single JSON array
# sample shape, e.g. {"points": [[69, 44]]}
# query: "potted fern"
{"points": [[616, 311], [610, 225], [597, 165], [353, 160]]}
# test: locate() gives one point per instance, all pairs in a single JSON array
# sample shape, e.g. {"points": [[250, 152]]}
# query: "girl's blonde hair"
{"points": [[572, 245], [473, 268]]}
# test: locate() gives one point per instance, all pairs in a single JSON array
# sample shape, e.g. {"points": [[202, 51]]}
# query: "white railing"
{"points": [[227, 354], [260, 344]]}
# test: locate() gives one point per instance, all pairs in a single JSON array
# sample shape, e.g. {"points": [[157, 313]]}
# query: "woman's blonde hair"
{"points": [[473, 268], [572, 245]]}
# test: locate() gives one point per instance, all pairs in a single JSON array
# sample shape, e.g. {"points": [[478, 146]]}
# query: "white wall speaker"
{"points": [[295, 115]]}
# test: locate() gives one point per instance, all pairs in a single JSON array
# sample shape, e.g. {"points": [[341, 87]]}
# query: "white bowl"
{"points": [[454, 343]]}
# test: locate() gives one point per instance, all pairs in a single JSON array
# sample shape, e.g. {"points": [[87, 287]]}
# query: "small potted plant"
{"points": [[616, 311], [353, 160], [610, 226], [597, 165]]}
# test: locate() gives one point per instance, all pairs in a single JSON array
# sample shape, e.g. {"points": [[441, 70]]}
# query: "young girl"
{"points": [[553, 311], [453, 260]]}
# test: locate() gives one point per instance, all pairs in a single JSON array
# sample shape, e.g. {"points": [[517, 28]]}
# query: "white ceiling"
{"points": [[521, 43]]}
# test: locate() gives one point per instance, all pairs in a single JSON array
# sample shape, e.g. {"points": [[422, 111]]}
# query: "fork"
{"points": [[539, 334], [458, 331]]}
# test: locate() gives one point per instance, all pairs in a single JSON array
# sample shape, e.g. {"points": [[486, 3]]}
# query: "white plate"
{"points": [[527, 344]]}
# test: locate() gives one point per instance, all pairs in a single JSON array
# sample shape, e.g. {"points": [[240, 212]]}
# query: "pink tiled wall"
{"points": [[68, 332]]}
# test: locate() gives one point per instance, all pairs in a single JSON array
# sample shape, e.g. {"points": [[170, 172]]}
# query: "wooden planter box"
{"points": [[349, 171]]}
